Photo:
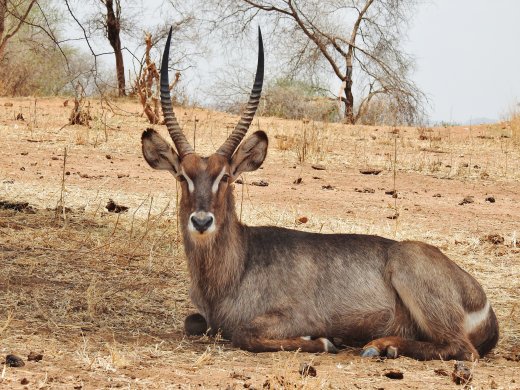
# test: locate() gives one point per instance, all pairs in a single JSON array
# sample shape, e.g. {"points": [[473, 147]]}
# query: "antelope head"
{"points": [[207, 196]]}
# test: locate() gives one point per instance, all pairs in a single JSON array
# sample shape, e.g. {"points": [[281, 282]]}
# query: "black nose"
{"points": [[202, 224]]}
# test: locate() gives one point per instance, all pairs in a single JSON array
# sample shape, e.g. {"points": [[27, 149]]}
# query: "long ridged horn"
{"points": [[228, 148], [178, 137]]}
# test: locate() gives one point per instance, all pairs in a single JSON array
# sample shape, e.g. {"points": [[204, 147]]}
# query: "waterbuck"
{"points": [[268, 288]]}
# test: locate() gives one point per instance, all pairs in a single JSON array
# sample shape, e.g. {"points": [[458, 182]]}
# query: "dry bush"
{"points": [[378, 112], [309, 140], [147, 85], [292, 99], [80, 114], [385, 110], [514, 122], [31, 67]]}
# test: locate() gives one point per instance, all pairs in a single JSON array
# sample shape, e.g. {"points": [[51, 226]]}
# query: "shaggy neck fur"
{"points": [[215, 263]]}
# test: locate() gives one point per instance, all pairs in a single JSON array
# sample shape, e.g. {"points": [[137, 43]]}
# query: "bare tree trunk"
{"points": [[349, 97], [3, 12], [113, 30]]}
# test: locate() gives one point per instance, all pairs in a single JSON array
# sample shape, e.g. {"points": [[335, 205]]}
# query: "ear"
{"points": [[250, 154], [158, 153]]}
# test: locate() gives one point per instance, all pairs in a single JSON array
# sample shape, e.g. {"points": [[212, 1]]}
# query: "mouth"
{"points": [[204, 236]]}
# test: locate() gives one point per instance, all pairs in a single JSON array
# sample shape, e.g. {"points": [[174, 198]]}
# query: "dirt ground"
{"points": [[102, 295]]}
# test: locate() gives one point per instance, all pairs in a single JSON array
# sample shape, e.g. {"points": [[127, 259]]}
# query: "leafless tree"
{"points": [[13, 15], [359, 40], [113, 29]]}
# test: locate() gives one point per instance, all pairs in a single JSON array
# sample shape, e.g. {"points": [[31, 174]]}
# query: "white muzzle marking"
{"points": [[201, 215]]}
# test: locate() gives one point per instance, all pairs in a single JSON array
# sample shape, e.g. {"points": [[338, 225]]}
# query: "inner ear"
{"points": [[158, 153], [250, 155]]}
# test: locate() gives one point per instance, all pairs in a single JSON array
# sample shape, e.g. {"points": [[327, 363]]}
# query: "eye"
{"points": [[181, 177], [225, 178]]}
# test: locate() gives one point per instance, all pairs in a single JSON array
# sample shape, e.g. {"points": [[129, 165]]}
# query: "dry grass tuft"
{"points": [[514, 122]]}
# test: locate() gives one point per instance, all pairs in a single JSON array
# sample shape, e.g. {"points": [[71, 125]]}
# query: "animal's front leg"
{"points": [[260, 336], [195, 325]]}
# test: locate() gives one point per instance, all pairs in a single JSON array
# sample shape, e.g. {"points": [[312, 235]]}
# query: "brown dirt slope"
{"points": [[103, 295]]}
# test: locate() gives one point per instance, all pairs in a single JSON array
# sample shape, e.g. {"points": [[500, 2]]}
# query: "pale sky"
{"points": [[468, 57], [467, 51]]}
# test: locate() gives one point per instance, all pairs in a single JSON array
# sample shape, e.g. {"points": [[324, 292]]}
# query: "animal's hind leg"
{"points": [[265, 334], [426, 282], [394, 346]]}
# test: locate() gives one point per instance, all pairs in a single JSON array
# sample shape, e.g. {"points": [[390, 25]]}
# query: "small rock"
{"points": [[394, 216], [318, 167], [108, 156], [327, 187], [370, 171], [494, 239], [113, 207], [365, 190], [307, 370], [437, 195], [298, 181], [14, 361], [302, 220], [316, 178], [238, 376], [19, 117], [121, 175], [260, 183], [8, 104], [34, 357], [515, 357], [239, 181], [467, 200], [24, 381], [17, 206], [461, 374], [393, 374], [55, 158], [24, 153], [490, 199], [441, 372]]}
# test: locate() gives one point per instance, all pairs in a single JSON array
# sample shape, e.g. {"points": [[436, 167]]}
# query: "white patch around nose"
{"points": [[201, 214], [214, 187], [191, 186]]}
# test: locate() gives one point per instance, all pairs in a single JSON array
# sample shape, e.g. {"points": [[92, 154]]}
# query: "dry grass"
{"points": [[104, 295], [514, 123]]}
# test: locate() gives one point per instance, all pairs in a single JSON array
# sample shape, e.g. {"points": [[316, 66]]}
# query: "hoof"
{"points": [[370, 352], [391, 353], [328, 346]]}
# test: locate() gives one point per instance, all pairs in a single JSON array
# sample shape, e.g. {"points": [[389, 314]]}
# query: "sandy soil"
{"points": [[103, 296]]}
